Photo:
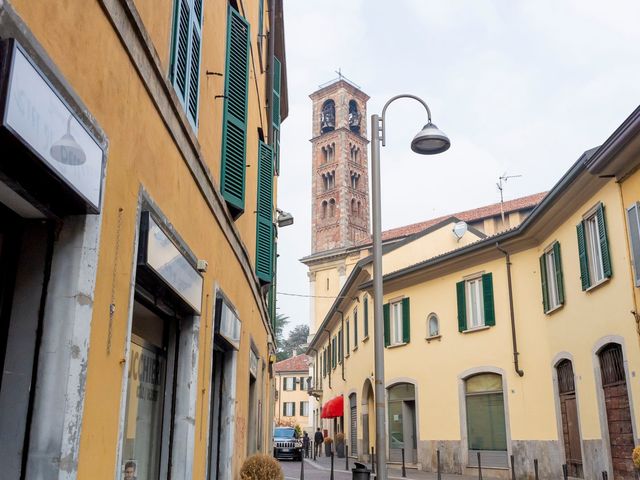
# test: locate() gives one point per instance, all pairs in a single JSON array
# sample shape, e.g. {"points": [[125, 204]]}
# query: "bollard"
{"points": [[301, 468], [373, 461], [438, 463], [535, 467], [331, 476], [313, 444], [605, 476], [479, 468], [346, 457], [565, 472], [404, 470], [513, 469]]}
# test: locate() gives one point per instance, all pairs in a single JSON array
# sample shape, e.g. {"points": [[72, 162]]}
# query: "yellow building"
{"points": [[139, 157], [292, 398], [516, 347]]}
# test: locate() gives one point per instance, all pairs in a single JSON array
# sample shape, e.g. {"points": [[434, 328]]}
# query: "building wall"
{"points": [[144, 153], [298, 395], [585, 322]]}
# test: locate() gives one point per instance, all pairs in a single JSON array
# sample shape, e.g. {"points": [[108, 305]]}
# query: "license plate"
{"points": [[285, 450]]}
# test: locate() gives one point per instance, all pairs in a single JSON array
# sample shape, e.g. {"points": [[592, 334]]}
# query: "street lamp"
{"points": [[428, 141]]}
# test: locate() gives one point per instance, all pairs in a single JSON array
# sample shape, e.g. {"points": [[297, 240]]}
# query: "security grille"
{"points": [[611, 365]]}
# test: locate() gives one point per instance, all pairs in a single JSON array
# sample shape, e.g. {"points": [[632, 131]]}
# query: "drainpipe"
{"points": [[507, 258], [271, 48], [342, 316], [330, 353]]}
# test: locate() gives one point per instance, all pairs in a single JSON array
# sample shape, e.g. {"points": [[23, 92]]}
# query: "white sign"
{"points": [[230, 326], [36, 114], [169, 263]]}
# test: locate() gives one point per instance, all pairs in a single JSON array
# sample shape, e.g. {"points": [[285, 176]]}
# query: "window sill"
{"points": [[365, 339], [355, 348], [347, 355], [596, 285], [396, 345], [554, 309], [477, 329], [433, 337]]}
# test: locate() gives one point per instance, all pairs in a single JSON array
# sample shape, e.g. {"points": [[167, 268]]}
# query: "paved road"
{"points": [[292, 472]]}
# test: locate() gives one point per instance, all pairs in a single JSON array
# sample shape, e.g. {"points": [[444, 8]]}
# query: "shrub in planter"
{"points": [[340, 445], [635, 456], [328, 441], [261, 467]]}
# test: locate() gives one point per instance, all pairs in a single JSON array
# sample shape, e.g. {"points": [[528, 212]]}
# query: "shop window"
{"points": [[486, 427]]}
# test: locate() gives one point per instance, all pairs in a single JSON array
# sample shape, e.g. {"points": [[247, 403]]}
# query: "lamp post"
{"points": [[428, 141]]}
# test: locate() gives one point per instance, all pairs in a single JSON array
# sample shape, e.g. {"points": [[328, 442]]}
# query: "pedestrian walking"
{"points": [[305, 444], [318, 440]]}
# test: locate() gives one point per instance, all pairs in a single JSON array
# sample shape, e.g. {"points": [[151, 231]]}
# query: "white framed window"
{"points": [[475, 303], [288, 409], [633, 223], [551, 276], [433, 325], [304, 409], [593, 248], [289, 383], [396, 323]]}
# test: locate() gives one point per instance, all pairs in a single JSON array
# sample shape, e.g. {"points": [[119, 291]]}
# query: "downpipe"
{"points": [[343, 357], [514, 339]]}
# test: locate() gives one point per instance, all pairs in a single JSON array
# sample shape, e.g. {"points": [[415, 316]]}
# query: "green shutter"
{"points": [[487, 294], [284, 409], [406, 321], [275, 112], [387, 326], [264, 214], [348, 339], [462, 306], [543, 278], [582, 254], [559, 276], [234, 120], [185, 54], [604, 244], [293, 409], [355, 327], [366, 316]]}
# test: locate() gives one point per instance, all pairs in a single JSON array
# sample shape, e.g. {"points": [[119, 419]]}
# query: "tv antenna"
{"points": [[503, 179]]}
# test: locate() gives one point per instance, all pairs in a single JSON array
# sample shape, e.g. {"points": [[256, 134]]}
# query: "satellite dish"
{"points": [[459, 229]]}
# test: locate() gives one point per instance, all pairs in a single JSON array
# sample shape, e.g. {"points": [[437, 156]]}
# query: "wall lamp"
{"points": [[284, 218]]}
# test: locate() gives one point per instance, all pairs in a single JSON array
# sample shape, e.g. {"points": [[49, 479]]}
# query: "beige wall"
{"points": [[298, 395]]}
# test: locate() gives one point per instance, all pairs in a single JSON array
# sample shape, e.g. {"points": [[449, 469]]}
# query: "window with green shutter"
{"points": [[396, 322], [475, 303], [593, 248], [234, 120], [275, 112], [387, 327], [264, 215], [365, 316], [355, 327], [185, 54], [406, 321], [348, 339], [551, 278]]}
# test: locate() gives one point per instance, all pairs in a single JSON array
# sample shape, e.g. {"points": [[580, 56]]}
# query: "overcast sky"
{"points": [[522, 87]]}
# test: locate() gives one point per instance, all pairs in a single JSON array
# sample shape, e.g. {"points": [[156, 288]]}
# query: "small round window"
{"points": [[433, 326]]}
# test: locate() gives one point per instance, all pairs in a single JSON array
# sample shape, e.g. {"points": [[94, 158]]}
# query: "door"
{"points": [[402, 422], [353, 428], [409, 430], [618, 410], [570, 426]]}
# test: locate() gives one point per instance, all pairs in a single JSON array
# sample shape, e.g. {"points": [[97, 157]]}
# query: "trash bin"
{"points": [[360, 472]]}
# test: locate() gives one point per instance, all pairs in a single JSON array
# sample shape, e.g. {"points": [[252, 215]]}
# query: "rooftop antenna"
{"points": [[503, 178]]}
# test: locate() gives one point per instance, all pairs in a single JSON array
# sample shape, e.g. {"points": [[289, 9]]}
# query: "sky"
{"points": [[520, 87]]}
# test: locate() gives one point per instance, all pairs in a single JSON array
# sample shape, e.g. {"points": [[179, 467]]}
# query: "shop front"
{"points": [[52, 163]]}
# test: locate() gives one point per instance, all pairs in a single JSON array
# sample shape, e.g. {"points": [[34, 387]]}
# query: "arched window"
{"points": [[325, 155], [324, 209], [433, 326], [486, 426], [354, 117], [353, 206], [332, 207], [359, 210], [328, 116]]}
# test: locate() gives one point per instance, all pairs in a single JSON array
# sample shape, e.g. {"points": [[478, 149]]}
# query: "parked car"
{"points": [[287, 444]]}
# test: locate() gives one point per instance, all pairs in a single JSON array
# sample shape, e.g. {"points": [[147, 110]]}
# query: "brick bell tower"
{"points": [[340, 178]]}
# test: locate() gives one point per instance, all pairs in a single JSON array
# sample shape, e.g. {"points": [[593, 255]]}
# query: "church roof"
{"points": [[473, 215]]}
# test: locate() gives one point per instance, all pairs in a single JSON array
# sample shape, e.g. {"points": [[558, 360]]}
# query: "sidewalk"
{"points": [[394, 470]]}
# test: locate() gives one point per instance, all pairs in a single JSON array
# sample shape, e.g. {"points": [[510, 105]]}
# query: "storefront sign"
{"points": [[253, 363], [228, 324], [164, 258], [36, 115]]}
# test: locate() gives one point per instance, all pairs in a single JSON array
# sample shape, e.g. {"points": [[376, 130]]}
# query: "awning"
{"points": [[333, 408]]}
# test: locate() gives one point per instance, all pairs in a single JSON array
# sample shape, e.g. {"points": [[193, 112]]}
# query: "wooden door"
{"points": [[618, 411], [570, 425]]}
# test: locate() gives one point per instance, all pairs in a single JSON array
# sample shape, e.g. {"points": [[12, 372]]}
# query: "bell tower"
{"points": [[340, 179]]}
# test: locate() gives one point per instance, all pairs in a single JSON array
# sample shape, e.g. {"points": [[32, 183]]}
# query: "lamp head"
{"points": [[284, 219], [430, 140]]}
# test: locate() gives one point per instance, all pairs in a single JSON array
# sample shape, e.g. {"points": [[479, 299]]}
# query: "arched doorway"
{"points": [[616, 400], [401, 422], [569, 412], [367, 405]]}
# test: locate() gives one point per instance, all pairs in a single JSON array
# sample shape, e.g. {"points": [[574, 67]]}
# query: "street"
{"points": [[311, 472]]}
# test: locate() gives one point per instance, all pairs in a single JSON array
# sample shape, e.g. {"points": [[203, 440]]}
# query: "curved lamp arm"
{"points": [[393, 99]]}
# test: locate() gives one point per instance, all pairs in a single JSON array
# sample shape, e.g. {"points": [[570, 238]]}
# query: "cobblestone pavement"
{"points": [[320, 469]]}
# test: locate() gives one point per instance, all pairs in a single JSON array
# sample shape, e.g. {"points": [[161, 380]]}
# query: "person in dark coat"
{"points": [[318, 440], [305, 444]]}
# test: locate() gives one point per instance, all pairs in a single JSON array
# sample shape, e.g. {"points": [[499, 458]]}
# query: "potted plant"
{"points": [[261, 467], [635, 456], [340, 445], [327, 446]]}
